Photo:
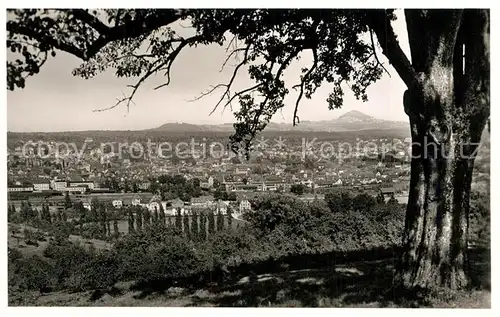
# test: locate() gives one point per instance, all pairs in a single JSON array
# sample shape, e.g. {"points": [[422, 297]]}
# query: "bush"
{"points": [[61, 231], [33, 235], [156, 252], [68, 258], [100, 271], [290, 214], [32, 273], [231, 248]]}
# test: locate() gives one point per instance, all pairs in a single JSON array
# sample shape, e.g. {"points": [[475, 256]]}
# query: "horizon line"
{"points": [[202, 124]]}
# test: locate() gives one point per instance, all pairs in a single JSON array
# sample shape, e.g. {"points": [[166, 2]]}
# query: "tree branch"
{"points": [[129, 99], [375, 53], [380, 23], [84, 16], [16, 28], [171, 57], [233, 52], [132, 29], [227, 92], [302, 83]]}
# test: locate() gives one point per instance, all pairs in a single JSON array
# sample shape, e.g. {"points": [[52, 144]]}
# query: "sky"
{"points": [[55, 100]]}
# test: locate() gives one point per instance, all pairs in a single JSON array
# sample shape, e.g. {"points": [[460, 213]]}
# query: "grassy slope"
{"points": [[365, 284], [361, 284]]}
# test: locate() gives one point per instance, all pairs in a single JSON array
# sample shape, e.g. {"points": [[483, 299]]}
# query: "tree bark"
{"points": [[448, 109]]}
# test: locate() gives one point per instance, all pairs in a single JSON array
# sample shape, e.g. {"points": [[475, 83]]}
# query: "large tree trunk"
{"points": [[448, 108]]}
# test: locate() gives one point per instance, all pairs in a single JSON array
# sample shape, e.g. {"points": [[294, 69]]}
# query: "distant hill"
{"points": [[179, 127], [351, 121], [355, 115]]}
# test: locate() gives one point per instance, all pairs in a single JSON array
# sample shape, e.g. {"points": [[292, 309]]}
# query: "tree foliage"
{"points": [[211, 221], [185, 221], [67, 201], [297, 189]]}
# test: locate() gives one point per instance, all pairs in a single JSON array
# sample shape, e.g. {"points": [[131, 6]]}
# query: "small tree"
{"points": [[47, 214], [103, 219], [363, 202], [220, 220], [64, 216], [333, 201], [392, 200], [67, 201], [138, 219], [194, 225], [93, 210], [297, 189], [13, 215], [115, 225], [155, 215], [161, 216], [53, 218], [203, 226], [229, 217], [130, 220], [178, 220], [25, 212], [81, 214], [232, 196], [32, 214], [186, 228], [146, 218], [346, 202], [211, 222], [218, 194], [380, 199]]}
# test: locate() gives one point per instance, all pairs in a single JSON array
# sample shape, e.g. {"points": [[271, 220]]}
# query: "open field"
{"points": [[17, 241]]}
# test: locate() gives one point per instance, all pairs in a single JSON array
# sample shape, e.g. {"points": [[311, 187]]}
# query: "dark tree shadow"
{"points": [[331, 279]]}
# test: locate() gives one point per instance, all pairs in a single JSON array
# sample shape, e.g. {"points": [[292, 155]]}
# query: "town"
{"points": [[209, 181]]}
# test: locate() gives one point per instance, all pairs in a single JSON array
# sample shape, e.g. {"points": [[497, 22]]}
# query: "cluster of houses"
{"points": [[171, 207], [55, 185]]}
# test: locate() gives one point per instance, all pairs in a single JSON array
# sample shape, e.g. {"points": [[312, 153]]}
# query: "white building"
{"points": [[117, 203], [41, 186], [58, 185], [90, 185], [245, 206], [176, 205], [20, 189], [222, 207], [154, 205], [79, 189]]}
